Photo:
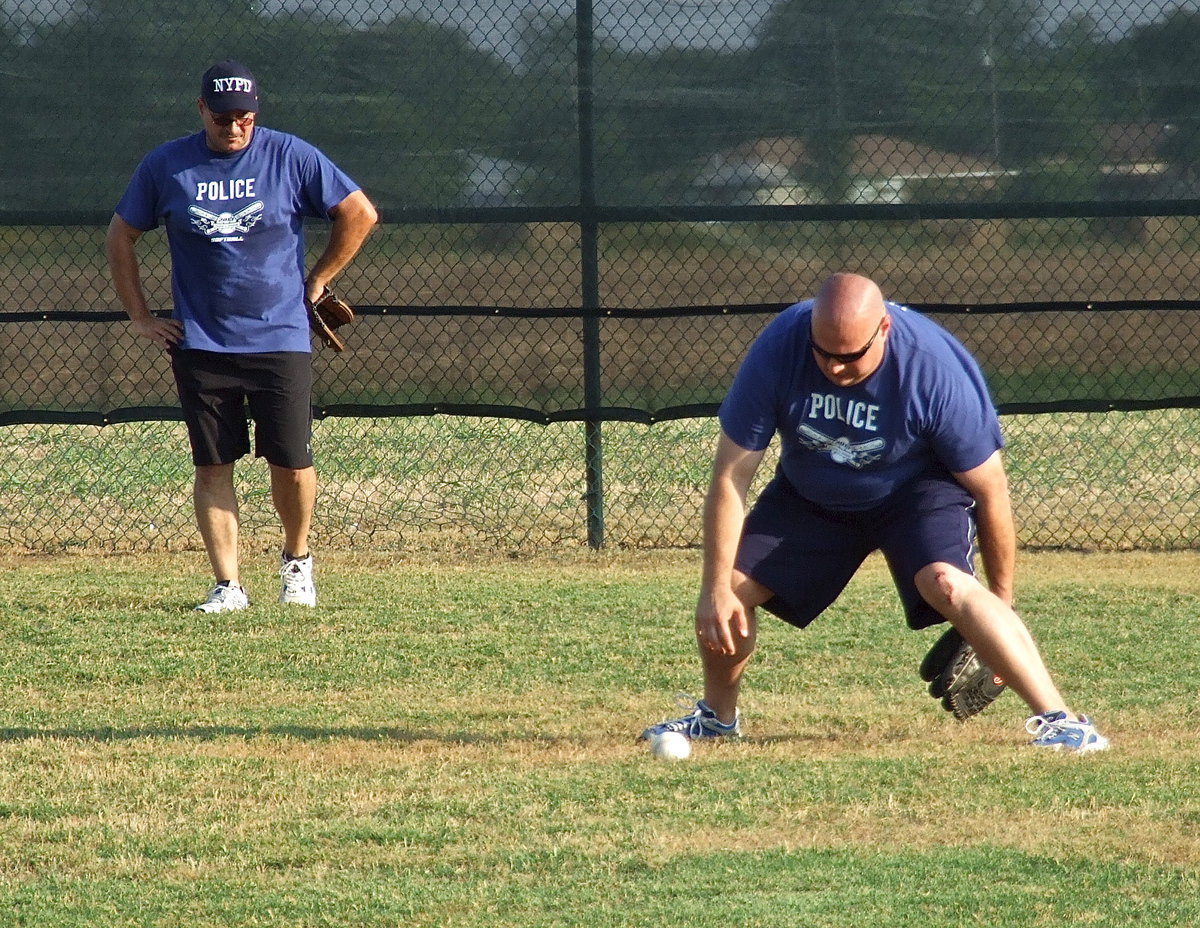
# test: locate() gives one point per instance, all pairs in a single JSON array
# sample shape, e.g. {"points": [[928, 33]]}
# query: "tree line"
{"points": [[404, 105]]}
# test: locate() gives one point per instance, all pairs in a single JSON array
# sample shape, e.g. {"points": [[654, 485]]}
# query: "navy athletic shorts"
{"points": [[216, 390], [805, 555]]}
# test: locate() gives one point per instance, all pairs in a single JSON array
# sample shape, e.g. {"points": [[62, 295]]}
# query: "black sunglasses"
{"points": [[848, 357], [226, 121]]}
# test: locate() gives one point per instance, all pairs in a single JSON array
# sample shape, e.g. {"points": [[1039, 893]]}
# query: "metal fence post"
{"points": [[589, 246]]}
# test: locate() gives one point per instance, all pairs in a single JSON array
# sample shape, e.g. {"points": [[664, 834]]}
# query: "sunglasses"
{"points": [[226, 121], [848, 357]]}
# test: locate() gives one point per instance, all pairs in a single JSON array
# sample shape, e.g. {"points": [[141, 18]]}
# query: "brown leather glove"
{"points": [[327, 314]]}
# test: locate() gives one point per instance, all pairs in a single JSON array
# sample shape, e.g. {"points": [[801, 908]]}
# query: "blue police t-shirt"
{"points": [[234, 222], [925, 409]]}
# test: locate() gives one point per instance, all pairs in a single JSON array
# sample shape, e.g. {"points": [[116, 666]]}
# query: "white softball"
{"points": [[670, 745]]}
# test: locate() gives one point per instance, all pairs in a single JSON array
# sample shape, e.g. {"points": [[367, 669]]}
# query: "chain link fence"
{"points": [[467, 485], [589, 210]]}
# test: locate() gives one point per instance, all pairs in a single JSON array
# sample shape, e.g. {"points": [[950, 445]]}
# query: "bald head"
{"points": [[846, 299], [849, 318]]}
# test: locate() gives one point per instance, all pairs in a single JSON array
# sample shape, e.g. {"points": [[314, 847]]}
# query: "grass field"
{"points": [[452, 743]]}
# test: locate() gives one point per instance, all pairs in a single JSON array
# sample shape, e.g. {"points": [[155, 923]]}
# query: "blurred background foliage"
{"points": [[411, 102]]}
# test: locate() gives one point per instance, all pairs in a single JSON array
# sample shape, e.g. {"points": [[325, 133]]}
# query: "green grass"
{"points": [[452, 743]]}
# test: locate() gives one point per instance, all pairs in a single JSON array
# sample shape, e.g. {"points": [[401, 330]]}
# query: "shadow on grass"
{"points": [[297, 732]]}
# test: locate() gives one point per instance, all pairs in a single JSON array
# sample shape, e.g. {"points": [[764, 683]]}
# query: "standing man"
{"points": [[233, 198], [890, 442]]}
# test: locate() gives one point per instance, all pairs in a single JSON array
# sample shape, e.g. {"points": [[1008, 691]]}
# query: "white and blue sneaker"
{"points": [[226, 596], [1055, 731], [700, 723]]}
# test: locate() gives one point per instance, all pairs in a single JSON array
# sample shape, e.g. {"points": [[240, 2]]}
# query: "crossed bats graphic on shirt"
{"points": [[226, 223], [857, 454]]}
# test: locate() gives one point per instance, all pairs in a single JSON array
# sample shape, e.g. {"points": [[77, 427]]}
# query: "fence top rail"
{"points": [[660, 312], [813, 212]]}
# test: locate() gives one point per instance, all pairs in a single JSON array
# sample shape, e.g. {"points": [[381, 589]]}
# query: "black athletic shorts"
{"points": [[218, 390], [805, 555]]}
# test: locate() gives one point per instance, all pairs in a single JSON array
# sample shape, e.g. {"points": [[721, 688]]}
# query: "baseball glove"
{"points": [[327, 314], [956, 676]]}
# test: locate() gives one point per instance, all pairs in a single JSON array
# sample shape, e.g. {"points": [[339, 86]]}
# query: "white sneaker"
{"points": [[225, 597], [297, 575], [1055, 731]]}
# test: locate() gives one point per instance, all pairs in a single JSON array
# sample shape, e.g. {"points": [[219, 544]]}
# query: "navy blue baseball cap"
{"points": [[227, 86]]}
